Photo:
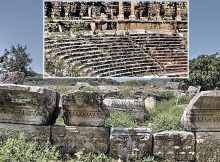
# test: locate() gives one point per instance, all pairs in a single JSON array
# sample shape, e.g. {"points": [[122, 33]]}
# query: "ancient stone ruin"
{"points": [[33, 110], [202, 117], [116, 39]]}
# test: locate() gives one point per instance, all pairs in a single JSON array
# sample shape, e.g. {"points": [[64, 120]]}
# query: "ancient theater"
{"points": [[116, 39]]}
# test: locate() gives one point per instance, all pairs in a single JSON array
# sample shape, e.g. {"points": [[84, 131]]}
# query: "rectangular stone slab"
{"points": [[31, 132], [84, 108], [174, 146], [71, 139], [130, 143], [207, 146], [23, 104]]}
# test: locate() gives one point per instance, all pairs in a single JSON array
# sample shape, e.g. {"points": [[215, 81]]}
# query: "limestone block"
{"points": [[174, 146], [84, 109], [37, 133], [208, 146], [192, 90], [71, 139], [130, 143], [203, 112], [12, 78], [150, 102], [28, 105]]}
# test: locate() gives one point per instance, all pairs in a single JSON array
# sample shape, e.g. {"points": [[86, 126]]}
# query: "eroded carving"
{"points": [[28, 105], [71, 139], [84, 109], [130, 143], [174, 146]]}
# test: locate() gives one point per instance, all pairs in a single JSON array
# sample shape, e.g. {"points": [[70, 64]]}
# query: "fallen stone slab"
{"points": [[23, 104], [130, 144], [71, 139], [208, 146], [82, 108], [126, 105], [174, 146], [12, 78], [203, 112], [41, 134]]}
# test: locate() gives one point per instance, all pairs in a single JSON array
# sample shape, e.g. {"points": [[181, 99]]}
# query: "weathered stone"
{"points": [[82, 84], [109, 91], [177, 85], [71, 139], [40, 134], [28, 105], [150, 102], [130, 143], [174, 146], [208, 146], [84, 109], [124, 104], [12, 78], [203, 112], [192, 90]]}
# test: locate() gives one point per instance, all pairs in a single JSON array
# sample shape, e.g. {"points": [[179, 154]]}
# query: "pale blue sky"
{"points": [[21, 22]]}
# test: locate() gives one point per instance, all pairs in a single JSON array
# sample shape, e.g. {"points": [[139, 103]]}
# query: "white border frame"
{"points": [[133, 78]]}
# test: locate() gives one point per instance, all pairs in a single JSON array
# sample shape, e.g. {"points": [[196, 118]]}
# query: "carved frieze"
{"points": [[71, 139], [28, 105], [84, 109], [203, 112], [130, 144]]}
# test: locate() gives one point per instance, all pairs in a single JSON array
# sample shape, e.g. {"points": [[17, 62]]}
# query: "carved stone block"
{"points": [[84, 109], [28, 105], [130, 143], [208, 146], [12, 78], [174, 146], [71, 139], [203, 112], [37, 133]]}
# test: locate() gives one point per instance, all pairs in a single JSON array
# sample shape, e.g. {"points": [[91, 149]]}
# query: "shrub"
{"points": [[121, 119], [82, 157], [166, 95], [183, 100], [18, 149], [166, 116]]}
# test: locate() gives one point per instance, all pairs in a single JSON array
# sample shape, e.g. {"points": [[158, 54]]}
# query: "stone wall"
{"points": [[33, 111]]}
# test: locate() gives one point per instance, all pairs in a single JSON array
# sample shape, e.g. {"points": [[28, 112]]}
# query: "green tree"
{"points": [[204, 71], [16, 59]]}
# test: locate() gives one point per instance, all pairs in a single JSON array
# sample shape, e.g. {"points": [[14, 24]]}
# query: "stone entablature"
{"points": [[84, 109], [28, 105], [203, 112]]}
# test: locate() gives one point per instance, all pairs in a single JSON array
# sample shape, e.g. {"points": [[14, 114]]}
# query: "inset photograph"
{"points": [[116, 39]]}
